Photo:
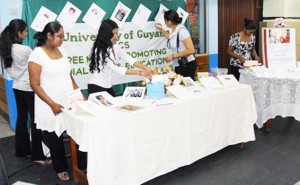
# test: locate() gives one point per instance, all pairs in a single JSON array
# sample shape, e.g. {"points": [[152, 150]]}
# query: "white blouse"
{"points": [[104, 77], [56, 81], [19, 68], [183, 34]]}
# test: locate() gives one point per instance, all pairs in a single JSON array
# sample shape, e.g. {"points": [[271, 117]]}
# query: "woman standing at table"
{"points": [[49, 72], [242, 47], [14, 56], [180, 42], [105, 56]]}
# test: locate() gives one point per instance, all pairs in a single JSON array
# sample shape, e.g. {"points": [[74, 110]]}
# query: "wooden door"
{"points": [[231, 20]]}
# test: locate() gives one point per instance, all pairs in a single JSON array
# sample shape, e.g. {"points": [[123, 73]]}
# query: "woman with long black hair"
{"points": [[105, 57], [14, 57]]}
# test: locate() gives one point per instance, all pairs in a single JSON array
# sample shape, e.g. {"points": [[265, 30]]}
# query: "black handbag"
{"points": [[183, 61]]}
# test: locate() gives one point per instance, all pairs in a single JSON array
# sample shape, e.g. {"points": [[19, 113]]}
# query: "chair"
{"points": [[3, 174]]}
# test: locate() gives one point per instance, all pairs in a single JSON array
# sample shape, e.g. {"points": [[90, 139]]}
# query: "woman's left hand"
{"points": [[150, 71]]}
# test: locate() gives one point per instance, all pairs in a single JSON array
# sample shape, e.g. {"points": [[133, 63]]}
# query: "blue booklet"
{"points": [[155, 90]]}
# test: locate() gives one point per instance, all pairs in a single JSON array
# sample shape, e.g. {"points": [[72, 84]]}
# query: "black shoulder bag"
{"points": [[183, 61]]}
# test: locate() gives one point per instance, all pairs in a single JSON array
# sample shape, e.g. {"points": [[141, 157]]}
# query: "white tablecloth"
{"points": [[132, 148], [274, 96]]}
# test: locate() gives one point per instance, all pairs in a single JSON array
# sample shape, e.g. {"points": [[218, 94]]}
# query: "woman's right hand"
{"points": [[169, 58], [56, 108], [147, 74], [242, 59], [159, 26]]}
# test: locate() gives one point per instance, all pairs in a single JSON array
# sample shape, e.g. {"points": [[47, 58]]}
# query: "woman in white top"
{"points": [[180, 43], [14, 56], [105, 57], [50, 79]]}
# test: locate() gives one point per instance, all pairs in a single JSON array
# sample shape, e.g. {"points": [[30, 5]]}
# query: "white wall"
{"points": [[10, 9], [281, 8], [212, 26]]}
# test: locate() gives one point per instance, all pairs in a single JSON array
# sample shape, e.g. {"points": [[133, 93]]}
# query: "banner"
{"points": [[146, 45], [279, 47]]}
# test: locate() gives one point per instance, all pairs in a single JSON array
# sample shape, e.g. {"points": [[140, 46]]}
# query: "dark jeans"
{"points": [[57, 151], [25, 104], [188, 71], [235, 71], [95, 88]]}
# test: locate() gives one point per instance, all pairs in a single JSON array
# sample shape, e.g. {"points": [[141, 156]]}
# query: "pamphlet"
{"points": [[136, 93], [103, 99], [128, 108], [74, 98], [180, 92], [191, 85], [210, 83], [228, 80]]}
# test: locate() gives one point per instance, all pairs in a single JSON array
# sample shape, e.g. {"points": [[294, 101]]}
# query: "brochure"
{"points": [[210, 83], [103, 99], [180, 92], [191, 85], [228, 80], [128, 108], [136, 93], [74, 97]]}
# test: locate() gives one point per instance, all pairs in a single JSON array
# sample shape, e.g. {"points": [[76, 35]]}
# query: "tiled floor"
{"points": [[5, 129]]}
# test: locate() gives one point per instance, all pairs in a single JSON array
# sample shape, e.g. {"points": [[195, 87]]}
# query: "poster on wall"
{"points": [[141, 16], [120, 14], [279, 48], [43, 17], [94, 16], [69, 15]]}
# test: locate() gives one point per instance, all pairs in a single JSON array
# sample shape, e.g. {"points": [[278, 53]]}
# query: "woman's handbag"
{"points": [[183, 62]]}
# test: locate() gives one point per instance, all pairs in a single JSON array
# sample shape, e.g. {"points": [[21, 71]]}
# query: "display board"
{"points": [[279, 47], [147, 45], [290, 23]]}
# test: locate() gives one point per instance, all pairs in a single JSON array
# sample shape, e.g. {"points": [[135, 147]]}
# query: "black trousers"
{"points": [[25, 104], [57, 151], [188, 71], [95, 88], [235, 71]]}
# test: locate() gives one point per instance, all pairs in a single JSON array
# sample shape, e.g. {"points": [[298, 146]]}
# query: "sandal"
{"points": [[63, 176], [45, 162]]}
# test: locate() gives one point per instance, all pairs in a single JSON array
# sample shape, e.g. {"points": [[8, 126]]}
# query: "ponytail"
{"points": [[8, 37], [5, 48]]}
